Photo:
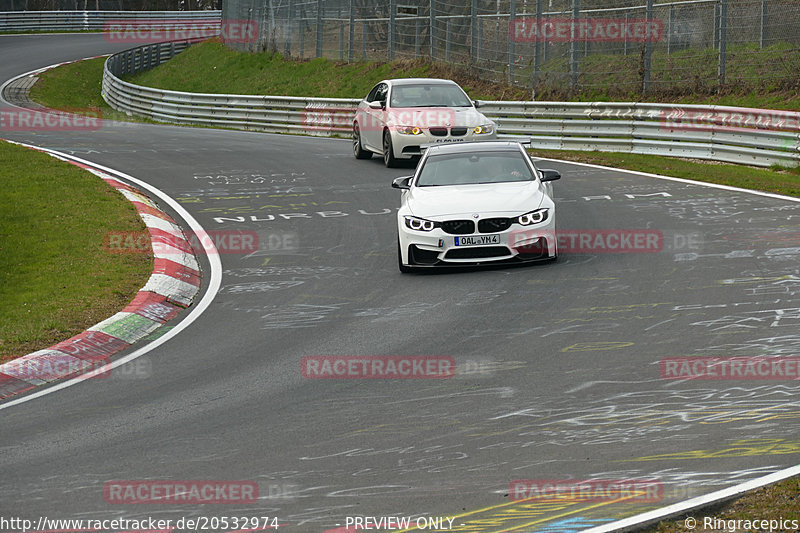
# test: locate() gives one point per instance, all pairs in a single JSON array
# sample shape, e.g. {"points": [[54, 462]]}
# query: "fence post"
{"points": [[341, 40], [479, 48], [447, 40], [573, 45], [432, 30], [364, 33], [417, 31], [473, 51], [625, 45], [723, 40], [537, 46], [669, 29], [512, 15], [648, 51], [763, 32], [392, 27], [319, 29], [302, 38], [351, 33], [287, 46]]}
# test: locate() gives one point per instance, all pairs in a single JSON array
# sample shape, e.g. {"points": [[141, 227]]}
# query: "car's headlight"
{"points": [[483, 129], [419, 224], [534, 217], [409, 130]]}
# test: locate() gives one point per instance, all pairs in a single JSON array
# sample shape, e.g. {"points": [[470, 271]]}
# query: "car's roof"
{"points": [[472, 147], [415, 81]]}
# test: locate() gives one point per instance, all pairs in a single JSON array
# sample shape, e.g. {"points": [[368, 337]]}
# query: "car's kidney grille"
{"points": [[492, 225], [458, 227], [478, 252], [438, 132], [458, 132]]}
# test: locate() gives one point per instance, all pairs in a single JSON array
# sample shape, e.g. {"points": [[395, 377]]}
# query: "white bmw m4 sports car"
{"points": [[475, 203]]}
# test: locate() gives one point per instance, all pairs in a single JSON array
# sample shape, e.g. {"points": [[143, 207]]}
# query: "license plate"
{"points": [[449, 140], [477, 240]]}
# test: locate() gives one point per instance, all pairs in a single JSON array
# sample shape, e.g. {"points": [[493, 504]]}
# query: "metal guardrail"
{"points": [[731, 134], [11, 21]]}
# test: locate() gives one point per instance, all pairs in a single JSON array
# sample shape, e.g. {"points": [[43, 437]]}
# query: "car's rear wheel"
{"points": [[405, 269], [358, 150], [388, 152]]}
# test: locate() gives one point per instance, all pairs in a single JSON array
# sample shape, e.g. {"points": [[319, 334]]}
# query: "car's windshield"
{"points": [[428, 95], [465, 169]]}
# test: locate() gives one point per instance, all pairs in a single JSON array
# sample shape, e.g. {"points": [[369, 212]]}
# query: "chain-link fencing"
{"points": [[551, 46]]}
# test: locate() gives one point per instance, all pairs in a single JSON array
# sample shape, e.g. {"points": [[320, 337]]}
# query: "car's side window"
{"points": [[371, 97], [381, 93]]}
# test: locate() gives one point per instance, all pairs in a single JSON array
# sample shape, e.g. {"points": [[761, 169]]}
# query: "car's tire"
{"points": [[358, 149], [405, 269], [388, 152]]}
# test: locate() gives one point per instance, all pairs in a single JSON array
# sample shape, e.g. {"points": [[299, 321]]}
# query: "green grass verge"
{"points": [[56, 277], [780, 501], [76, 87]]}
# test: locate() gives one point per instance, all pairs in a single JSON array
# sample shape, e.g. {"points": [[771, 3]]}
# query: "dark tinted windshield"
{"points": [[463, 169], [429, 95]]}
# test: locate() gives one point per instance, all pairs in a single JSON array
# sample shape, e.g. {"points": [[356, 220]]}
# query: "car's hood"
{"points": [[435, 116], [506, 199]]}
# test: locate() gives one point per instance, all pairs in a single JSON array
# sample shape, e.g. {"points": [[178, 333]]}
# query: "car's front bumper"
{"points": [[408, 146], [515, 244]]}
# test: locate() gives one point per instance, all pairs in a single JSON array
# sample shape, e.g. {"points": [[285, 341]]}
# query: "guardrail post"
{"points": [[432, 31], [512, 53], [648, 52], [319, 29], [723, 40]]}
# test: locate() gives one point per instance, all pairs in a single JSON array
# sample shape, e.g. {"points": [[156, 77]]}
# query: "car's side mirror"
{"points": [[550, 175], [375, 104], [477, 103], [403, 182]]}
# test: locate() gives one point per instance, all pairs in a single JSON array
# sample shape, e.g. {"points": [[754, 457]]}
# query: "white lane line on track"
{"points": [[679, 180], [198, 309]]}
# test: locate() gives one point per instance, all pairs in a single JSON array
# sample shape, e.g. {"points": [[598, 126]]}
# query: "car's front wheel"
{"points": [[358, 149], [388, 151]]}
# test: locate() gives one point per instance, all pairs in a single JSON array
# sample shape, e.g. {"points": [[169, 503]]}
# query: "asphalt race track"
{"points": [[558, 371]]}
